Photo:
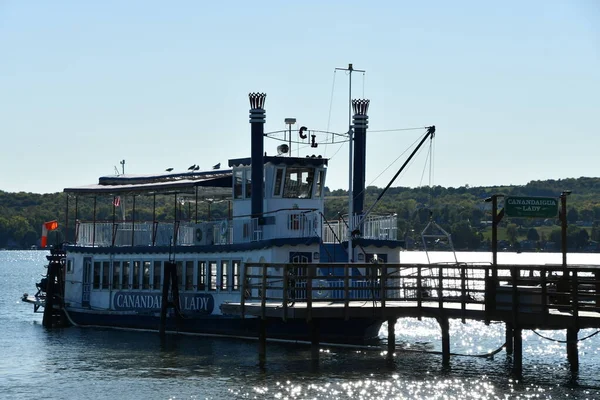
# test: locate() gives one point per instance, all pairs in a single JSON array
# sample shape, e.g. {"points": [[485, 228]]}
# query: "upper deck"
{"points": [[293, 204]]}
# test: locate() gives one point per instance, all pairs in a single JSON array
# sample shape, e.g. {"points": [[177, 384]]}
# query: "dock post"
{"points": [[262, 343], [518, 352], [314, 340], [391, 345], [572, 353], [509, 338], [445, 325]]}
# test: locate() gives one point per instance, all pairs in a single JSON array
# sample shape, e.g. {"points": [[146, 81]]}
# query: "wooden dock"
{"points": [[521, 296]]}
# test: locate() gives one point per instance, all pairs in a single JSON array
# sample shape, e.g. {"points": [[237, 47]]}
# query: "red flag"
{"points": [[47, 226], [117, 201]]}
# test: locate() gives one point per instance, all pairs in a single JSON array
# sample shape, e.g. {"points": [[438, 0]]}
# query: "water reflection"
{"points": [[112, 364]]}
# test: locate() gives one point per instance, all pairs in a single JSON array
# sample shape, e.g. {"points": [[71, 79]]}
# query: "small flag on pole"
{"points": [[117, 201], [47, 226]]}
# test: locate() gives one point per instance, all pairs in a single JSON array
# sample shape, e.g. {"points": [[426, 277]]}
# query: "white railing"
{"points": [[284, 224], [279, 225], [373, 227]]}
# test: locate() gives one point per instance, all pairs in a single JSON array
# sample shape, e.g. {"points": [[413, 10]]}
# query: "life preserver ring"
{"points": [[321, 289], [198, 234], [224, 227]]}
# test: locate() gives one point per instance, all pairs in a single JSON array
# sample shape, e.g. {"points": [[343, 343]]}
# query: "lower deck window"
{"points": [[224, 272], [135, 282], [105, 275], [125, 276], [156, 274], [235, 274], [201, 280], [116, 282], [96, 274], [146, 275], [212, 272]]}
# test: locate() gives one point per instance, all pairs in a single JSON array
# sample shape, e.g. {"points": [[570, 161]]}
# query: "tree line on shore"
{"points": [[461, 212]]}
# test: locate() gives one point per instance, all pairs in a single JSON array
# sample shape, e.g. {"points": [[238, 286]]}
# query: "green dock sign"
{"points": [[531, 207]]}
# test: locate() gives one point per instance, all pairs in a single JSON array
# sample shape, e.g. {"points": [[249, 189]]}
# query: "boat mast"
{"points": [[350, 69]]}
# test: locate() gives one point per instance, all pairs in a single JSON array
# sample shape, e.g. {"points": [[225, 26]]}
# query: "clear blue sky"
{"points": [[513, 87]]}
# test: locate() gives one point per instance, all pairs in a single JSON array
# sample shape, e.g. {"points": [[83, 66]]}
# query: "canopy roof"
{"points": [[210, 184], [312, 161]]}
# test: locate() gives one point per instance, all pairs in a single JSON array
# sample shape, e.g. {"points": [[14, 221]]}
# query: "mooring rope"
{"points": [[485, 355], [566, 341]]}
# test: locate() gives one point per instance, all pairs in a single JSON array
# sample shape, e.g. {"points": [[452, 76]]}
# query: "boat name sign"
{"points": [[531, 207], [200, 303]]}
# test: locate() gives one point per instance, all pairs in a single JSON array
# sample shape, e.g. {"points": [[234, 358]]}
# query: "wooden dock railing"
{"points": [[536, 294]]}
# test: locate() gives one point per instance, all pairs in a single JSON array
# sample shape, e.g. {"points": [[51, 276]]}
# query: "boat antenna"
{"points": [[350, 69], [123, 166]]}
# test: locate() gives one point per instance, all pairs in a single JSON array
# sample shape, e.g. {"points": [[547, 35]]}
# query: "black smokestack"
{"points": [[360, 121], [257, 123]]}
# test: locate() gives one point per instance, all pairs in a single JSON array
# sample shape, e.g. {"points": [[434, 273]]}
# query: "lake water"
{"points": [[76, 363]]}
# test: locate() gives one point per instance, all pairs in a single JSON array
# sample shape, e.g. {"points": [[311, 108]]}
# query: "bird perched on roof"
{"points": [[192, 167], [197, 168], [169, 169], [217, 166]]}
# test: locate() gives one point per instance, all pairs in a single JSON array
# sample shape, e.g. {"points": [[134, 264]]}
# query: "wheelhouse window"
{"points": [[69, 266], [201, 280], [212, 272], [278, 182], [238, 176], [248, 182], [319, 184], [224, 268], [298, 182], [156, 275]]}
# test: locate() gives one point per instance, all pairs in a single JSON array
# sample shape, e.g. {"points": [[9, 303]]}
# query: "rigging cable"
{"points": [[423, 173], [397, 158], [399, 129]]}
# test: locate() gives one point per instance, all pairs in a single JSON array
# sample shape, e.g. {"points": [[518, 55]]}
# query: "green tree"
{"points": [[511, 233], [572, 215], [464, 237], [532, 234]]}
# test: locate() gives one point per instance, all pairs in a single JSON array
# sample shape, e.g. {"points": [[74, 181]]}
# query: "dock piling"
{"points": [[509, 338], [518, 352], [445, 326], [391, 344], [572, 352], [262, 343], [314, 340]]}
